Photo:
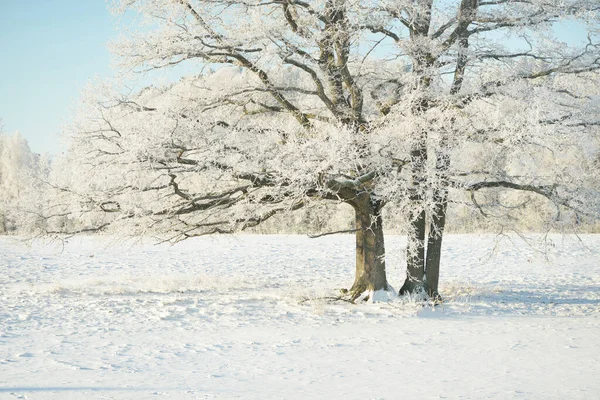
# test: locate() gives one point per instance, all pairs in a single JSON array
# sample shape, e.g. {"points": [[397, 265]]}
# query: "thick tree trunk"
{"points": [[415, 256], [437, 224], [415, 248], [370, 247], [434, 243]]}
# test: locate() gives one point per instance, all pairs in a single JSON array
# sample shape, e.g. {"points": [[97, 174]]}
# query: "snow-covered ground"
{"points": [[244, 317]]}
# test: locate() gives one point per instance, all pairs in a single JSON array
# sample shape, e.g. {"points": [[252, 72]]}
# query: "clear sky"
{"points": [[49, 50]]}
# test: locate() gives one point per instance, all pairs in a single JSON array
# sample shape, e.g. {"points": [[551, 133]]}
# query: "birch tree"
{"points": [[373, 104]]}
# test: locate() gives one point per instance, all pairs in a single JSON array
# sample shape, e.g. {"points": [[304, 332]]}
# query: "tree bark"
{"points": [[434, 243], [415, 248], [370, 246], [436, 226], [415, 255]]}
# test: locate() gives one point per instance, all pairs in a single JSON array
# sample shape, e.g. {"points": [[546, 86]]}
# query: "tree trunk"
{"points": [[370, 247], [415, 256], [437, 224], [415, 248], [434, 243]]}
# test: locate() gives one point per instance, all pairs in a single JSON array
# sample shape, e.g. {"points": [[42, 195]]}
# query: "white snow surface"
{"points": [[247, 317]]}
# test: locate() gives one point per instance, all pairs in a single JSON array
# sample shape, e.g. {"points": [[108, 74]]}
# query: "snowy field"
{"points": [[244, 318]]}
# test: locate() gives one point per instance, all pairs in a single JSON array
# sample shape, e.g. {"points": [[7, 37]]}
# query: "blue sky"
{"points": [[50, 49]]}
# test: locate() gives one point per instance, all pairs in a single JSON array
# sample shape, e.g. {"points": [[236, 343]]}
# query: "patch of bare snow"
{"points": [[251, 317]]}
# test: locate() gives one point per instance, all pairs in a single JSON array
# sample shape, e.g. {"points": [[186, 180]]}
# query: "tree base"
{"points": [[436, 298], [369, 295], [420, 292], [412, 287]]}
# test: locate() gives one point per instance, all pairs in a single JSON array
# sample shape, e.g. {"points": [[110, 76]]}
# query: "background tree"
{"points": [[390, 102], [20, 170]]}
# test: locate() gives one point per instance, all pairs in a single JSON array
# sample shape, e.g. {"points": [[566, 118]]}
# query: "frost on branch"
{"points": [[186, 161]]}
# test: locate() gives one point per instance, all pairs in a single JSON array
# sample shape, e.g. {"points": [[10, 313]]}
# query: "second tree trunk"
{"points": [[370, 246]]}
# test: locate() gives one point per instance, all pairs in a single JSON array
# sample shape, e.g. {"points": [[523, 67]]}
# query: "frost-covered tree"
{"points": [[19, 171], [401, 103]]}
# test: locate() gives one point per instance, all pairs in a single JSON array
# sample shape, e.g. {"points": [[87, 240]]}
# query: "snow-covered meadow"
{"points": [[245, 317]]}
